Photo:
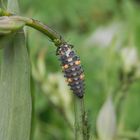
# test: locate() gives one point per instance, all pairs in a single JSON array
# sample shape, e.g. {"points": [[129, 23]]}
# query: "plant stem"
{"points": [[53, 35], [81, 126]]}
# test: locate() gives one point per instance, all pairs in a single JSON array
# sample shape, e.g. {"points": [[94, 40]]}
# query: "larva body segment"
{"points": [[72, 68]]}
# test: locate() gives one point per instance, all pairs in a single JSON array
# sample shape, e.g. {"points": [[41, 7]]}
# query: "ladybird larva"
{"points": [[72, 68]]}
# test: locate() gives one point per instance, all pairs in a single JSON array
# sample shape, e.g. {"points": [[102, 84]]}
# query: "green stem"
{"points": [[53, 35], [81, 125]]}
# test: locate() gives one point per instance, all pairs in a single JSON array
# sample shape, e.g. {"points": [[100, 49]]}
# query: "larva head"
{"points": [[63, 49]]}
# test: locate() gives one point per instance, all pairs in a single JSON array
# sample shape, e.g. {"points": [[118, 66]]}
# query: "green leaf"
{"points": [[15, 96]]}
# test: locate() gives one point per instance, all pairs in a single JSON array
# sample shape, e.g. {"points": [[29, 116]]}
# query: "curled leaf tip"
{"points": [[10, 24]]}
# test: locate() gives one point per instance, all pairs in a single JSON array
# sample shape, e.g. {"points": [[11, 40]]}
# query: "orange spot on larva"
{"points": [[82, 76], [69, 80], [77, 62], [65, 66]]}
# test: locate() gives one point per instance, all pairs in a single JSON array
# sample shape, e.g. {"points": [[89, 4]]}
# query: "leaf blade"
{"points": [[15, 95]]}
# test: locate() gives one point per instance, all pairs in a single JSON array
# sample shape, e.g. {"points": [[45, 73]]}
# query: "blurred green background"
{"points": [[106, 35]]}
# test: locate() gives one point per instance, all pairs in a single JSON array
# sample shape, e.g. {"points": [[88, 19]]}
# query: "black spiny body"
{"points": [[72, 68]]}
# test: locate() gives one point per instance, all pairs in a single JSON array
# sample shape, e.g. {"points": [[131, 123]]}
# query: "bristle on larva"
{"points": [[71, 66]]}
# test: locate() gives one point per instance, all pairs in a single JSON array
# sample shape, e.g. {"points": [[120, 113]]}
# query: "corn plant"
{"points": [[15, 94]]}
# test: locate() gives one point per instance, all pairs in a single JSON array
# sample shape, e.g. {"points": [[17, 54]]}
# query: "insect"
{"points": [[71, 66]]}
